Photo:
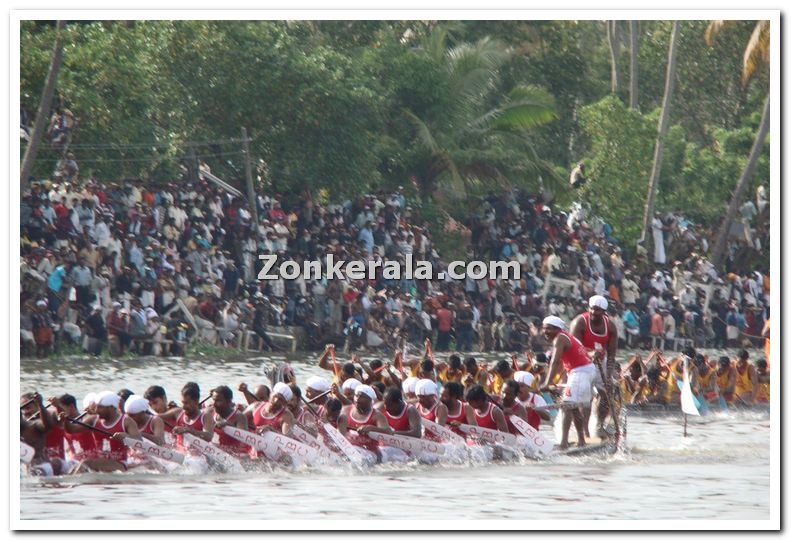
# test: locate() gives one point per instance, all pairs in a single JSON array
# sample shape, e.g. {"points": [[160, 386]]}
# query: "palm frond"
{"points": [[422, 132], [756, 54], [714, 28], [525, 107]]}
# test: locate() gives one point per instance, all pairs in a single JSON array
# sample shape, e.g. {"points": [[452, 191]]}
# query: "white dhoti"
{"points": [[579, 386]]}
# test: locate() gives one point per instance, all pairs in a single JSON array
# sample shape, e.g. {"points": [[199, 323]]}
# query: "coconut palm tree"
{"points": [[44, 107], [664, 122], [756, 56], [634, 45], [483, 134]]}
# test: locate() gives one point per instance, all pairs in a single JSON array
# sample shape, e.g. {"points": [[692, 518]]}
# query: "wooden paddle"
{"points": [[610, 402], [142, 445], [345, 446]]}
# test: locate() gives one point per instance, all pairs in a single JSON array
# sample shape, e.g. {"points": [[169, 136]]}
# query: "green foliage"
{"points": [[618, 163], [466, 107]]}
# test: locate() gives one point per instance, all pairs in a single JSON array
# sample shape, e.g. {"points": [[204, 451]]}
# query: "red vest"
{"points": [[575, 356], [361, 441], [399, 422], [82, 445], [227, 443], [261, 419], [460, 417], [487, 419], [117, 450], [53, 441], [196, 424], [590, 338]]}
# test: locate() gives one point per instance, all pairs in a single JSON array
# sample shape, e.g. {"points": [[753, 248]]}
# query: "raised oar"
{"points": [[36, 415], [610, 402], [26, 404], [209, 450], [345, 446], [325, 393], [142, 445]]}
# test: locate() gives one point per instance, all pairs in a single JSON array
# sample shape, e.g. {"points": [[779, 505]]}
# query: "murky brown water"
{"points": [[722, 468]]}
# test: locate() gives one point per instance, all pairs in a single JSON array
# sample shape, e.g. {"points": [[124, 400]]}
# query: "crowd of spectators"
{"points": [[150, 266]]}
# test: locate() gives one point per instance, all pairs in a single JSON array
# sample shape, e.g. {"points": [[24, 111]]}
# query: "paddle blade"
{"points": [[688, 400]]}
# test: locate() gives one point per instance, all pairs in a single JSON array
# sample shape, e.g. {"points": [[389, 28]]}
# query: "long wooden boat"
{"points": [[675, 409]]}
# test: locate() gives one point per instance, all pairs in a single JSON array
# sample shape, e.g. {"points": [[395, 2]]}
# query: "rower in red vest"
{"points": [[569, 355], [54, 437], [81, 445], [302, 415], [274, 414], [192, 419], [510, 405], [151, 426], [531, 400], [402, 417], [597, 333], [429, 406], [158, 402], [483, 412], [226, 414], [451, 398], [363, 418], [110, 427]]}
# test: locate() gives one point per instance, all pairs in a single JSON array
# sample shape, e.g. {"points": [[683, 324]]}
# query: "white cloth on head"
{"points": [[408, 386], [554, 321], [425, 387], [317, 384], [579, 386], [283, 390], [366, 390], [351, 384], [597, 301], [89, 400], [524, 377], [135, 404], [108, 399]]}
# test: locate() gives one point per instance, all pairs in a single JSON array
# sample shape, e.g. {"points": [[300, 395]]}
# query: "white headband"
{"points": [[135, 404], [283, 390], [366, 390], [351, 384], [318, 384], [409, 384], [597, 301], [554, 321], [523, 377], [89, 400], [426, 387], [108, 398]]}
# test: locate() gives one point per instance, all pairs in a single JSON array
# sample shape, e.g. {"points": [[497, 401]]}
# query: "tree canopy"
{"points": [[460, 107]]}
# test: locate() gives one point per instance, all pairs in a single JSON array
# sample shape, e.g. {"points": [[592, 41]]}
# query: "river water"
{"points": [[722, 467]]}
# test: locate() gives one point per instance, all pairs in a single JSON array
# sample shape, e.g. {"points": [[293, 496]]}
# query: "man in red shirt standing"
{"points": [[444, 325]]}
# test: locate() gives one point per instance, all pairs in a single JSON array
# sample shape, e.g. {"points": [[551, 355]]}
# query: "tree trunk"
{"points": [[664, 121], [733, 207], [633, 48], [614, 41], [44, 107]]}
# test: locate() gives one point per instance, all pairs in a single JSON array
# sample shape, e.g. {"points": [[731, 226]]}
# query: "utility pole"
{"points": [[248, 171], [44, 107]]}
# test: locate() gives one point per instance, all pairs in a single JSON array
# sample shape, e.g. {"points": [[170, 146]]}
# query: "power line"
{"points": [[114, 146], [149, 159]]}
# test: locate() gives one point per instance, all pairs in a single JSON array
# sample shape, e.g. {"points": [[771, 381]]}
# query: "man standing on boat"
{"points": [[569, 354], [598, 334]]}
